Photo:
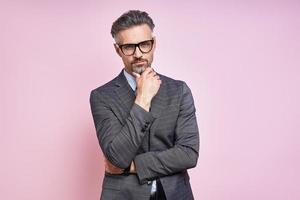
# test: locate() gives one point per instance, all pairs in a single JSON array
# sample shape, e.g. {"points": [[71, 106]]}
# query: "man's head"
{"points": [[135, 43]]}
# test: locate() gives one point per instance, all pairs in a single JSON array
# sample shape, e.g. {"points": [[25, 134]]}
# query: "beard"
{"points": [[139, 69]]}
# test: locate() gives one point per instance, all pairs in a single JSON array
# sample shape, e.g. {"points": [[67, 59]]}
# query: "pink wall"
{"points": [[241, 60]]}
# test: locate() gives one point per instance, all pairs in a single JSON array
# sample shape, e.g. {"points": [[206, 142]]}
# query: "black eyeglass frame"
{"points": [[137, 45]]}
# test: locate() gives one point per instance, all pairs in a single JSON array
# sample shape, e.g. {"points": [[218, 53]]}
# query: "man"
{"points": [[145, 122]]}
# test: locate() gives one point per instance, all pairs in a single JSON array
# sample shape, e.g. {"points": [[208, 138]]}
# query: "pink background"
{"points": [[240, 58]]}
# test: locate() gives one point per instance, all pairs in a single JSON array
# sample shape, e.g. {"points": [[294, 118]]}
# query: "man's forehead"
{"points": [[134, 34]]}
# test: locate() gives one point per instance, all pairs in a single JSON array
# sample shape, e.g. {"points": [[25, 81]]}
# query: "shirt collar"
{"points": [[130, 79]]}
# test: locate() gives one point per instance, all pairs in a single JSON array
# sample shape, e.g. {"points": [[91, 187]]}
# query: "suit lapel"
{"points": [[159, 101], [124, 95], [158, 104]]}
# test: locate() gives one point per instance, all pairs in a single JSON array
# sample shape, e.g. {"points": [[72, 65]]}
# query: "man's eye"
{"points": [[128, 47], [145, 44]]}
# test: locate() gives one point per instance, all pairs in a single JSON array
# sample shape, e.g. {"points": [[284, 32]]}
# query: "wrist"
{"points": [[144, 103]]}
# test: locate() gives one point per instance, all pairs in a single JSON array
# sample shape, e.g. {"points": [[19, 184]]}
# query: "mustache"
{"points": [[139, 60]]}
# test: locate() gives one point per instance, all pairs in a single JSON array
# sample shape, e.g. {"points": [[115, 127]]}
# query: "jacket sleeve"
{"points": [[119, 142], [183, 155]]}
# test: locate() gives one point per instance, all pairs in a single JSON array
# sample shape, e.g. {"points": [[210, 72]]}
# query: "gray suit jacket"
{"points": [[163, 143]]}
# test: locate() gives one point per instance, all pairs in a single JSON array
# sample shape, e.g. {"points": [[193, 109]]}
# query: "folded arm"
{"points": [[119, 142], [150, 165], [183, 155]]}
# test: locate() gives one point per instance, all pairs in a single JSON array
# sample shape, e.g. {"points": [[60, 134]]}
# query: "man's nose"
{"points": [[137, 52]]}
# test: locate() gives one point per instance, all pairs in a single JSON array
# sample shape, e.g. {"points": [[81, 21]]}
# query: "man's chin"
{"points": [[139, 70]]}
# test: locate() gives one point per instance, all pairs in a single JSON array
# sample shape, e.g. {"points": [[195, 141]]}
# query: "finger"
{"points": [[105, 162], [156, 77], [109, 165], [147, 71], [136, 75], [151, 74]]}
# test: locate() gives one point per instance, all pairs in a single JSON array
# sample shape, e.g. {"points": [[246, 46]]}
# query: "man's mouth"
{"points": [[139, 62]]}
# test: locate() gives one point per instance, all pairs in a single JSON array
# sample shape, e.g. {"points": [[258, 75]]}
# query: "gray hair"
{"points": [[129, 19]]}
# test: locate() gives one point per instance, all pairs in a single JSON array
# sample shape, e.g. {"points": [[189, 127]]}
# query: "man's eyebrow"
{"points": [[137, 42]]}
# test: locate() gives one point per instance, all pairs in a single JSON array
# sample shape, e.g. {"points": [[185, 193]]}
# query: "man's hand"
{"points": [[110, 168], [147, 84]]}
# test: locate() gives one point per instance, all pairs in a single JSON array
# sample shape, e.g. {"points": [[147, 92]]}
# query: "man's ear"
{"points": [[117, 49], [154, 43]]}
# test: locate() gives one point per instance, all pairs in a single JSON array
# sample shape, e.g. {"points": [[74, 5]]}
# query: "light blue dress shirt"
{"points": [[132, 83]]}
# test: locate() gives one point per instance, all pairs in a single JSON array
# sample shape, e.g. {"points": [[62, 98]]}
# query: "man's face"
{"points": [[138, 61]]}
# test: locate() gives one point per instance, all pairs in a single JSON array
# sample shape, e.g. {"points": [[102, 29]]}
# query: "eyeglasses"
{"points": [[144, 46]]}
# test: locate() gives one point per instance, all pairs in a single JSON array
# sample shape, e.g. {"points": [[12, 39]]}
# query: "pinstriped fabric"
{"points": [[163, 143]]}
